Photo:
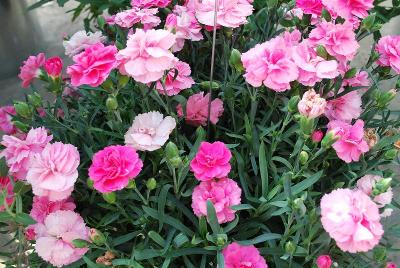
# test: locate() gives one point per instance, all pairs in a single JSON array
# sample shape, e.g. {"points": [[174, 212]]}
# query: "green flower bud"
{"points": [[368, 22], [206, 85], [108, 85], [21, 126], [111, 103], [131, 184], [384, 98], [175, 162], [221, 239], [321, 51], [379, 254], [306, 125], [298, 204], [329, 139], [235, 60], [290, 248], [383, 185], [350, 73], [292, 104], [200, 133], [391, 154], [97, 237], [90, 183], [303, 157], [171, 150], [80, 243], [110, 198], [23, 109], [123, 81], [151, 184], [35, 99]]}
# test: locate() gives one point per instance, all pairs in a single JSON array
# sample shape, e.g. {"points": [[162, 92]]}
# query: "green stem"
{"points": [[141, 196]]}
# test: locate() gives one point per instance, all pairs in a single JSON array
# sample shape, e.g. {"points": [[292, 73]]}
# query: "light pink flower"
{"points": [[359, 80], [185, 26], [230, 13], [113, 167], [238, 256], [351, 144], [177, 79], [147, 17], [93, 66], [338, 39], [223, 194], [197, 110], [53, 66], [387, 212], [349, 8], [19, 152], [367, 183], [150, 3], [344, 108], [147, 55], [81, 41], [311, 105], [31, 69], [42, 206], [270, 63], [310, 6], [55, 236], [53, 172], [6, 125], [211, 161], [149, 131], [5, 184], [352, 219], [388, 48], [317, 136], [324, 261]]}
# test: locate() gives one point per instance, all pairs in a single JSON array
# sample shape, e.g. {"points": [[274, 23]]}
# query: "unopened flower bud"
{"points": [[200, 133], [391, 154], [383, 185], [23, 109], [171, 150], [317, 136], [221, 240], [290, 247], [379, 254], [306, 125], [110, 198], [303, 157], [292, 104], [235, 60], [206, 85], [35, 99], [298, 204], [108, 85], [131, 184], [368, 22], [324, 261], [80, 243], [111, 103], [329, 139], [151, 184], [97, 237]]}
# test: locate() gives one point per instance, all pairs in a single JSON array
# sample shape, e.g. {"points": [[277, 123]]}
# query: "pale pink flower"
{"points": [[367, 183], [344, 108], [19, 152], [351, 144], [177, 79], [352, 219], [211, 161], [311, 105], [338, 39], [53, 172], [149, 131], [150, 3], [147, 55], [359, 80], [6, 185], [310, 6], [53, 66], [147, 17], [93, 66], [324, 261], [6, 125], [230, 13], [42, 206], [113, 167], [31, 69], [388, 48], [185, 26], [81, 41], [270, 63], [197, 110], [238, 256], [223, 194], [317, 136], [387, 212], [55, 236], [349, 8]]}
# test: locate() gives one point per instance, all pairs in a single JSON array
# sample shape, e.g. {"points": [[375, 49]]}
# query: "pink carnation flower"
{"points": [[147, 17], [338, 39], [149, 131], [177, 79], [53, 66], [238, 256], [211, 161], [19, 152], [113, 167], [349, 8], [147, 55], [53, 172], [311, 105], [359, 80], [5, 120], [352, 219], [324, 261], [223, 193], [344, 108], [270, 63], [230, 13], [197, 110], [93, 66], [55, 236], [42, 206], [351, 144], [150, 3], [317, 136], [313, 7], [5, 184], [391, 265], [31, 69], [367, 183], [185, 26], [81, 41], [388, 48]]}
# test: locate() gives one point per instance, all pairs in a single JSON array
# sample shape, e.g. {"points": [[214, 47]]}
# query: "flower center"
{"points": [[148, 131]]}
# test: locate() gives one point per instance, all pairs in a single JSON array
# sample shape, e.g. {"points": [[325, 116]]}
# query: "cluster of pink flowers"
{"points": [[147, 17], [236, 255]]}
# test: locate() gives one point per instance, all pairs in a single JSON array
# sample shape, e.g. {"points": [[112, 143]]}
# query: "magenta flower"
{"points": [[177, 79], [31, 69], [6, 125], [324, 261], [388, 48], [238, 256], [113, 167], [313, 7], [223, 194], [311, 105], [211, 161], [317, 136], [53, 66], [147, 17]]}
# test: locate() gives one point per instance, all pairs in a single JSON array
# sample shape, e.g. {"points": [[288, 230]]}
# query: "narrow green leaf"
{"points": [[263, 170], [220, 260], [260, 239], [212, 218], [24, 219]]}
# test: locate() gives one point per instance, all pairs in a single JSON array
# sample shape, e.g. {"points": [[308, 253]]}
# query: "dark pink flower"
{"points": [[238, 256], [324, 261], [53, 66], [310, 6]]}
